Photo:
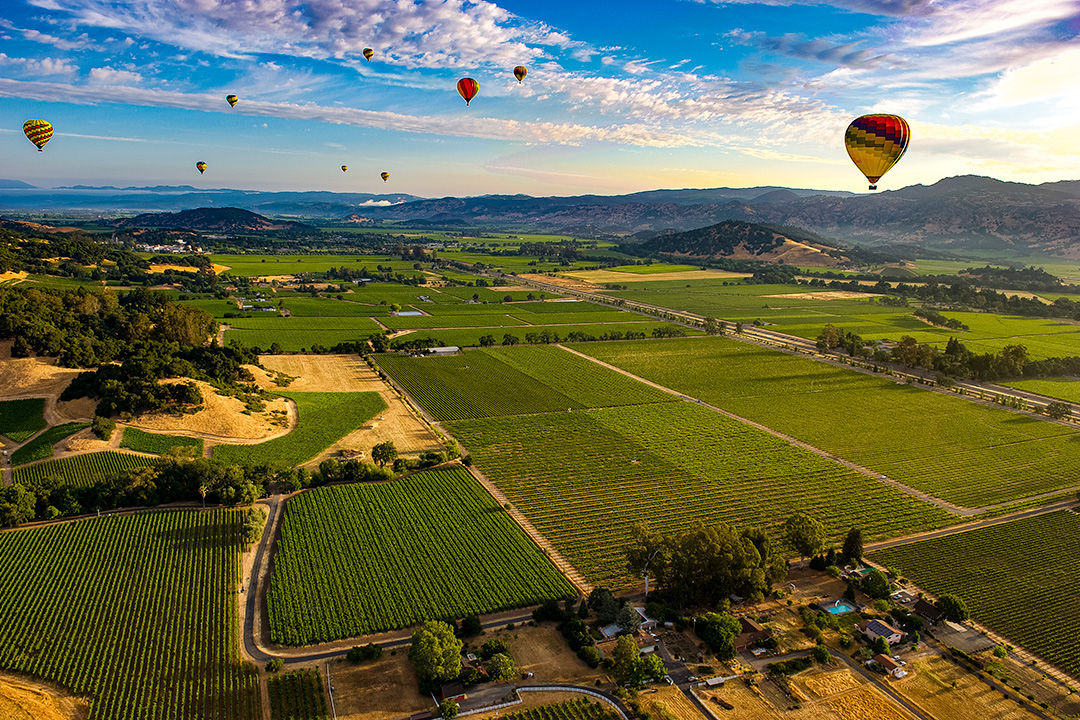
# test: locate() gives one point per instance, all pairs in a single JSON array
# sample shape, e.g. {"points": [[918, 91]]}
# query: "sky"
{"points": [[638, 95]]}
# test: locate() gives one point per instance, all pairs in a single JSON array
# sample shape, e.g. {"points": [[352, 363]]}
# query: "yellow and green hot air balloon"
{"points": [[520, 72], [38, 132], [368, 53], [384, 175], [876, 143], [201, 167], [344, 168], [232, 100]]}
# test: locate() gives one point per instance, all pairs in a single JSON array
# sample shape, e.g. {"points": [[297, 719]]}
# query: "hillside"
{"points": [[745, 241], [227, 219]]}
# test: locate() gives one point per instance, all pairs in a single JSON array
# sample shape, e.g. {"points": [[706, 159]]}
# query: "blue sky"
{"points": [[619, 97]]}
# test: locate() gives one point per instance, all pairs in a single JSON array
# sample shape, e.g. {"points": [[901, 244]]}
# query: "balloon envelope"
{"points": [[38, 132], [344, 168], [201, 167], [520, 72], [875, 143], [232, 100], [467, 88], [385, 176], [368, 53]]}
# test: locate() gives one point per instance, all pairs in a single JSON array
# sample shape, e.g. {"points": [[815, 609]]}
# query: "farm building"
{"points": [[878, 628], [443, 351], [927, 612], [751, 633], [890, 666], [452, 691]]}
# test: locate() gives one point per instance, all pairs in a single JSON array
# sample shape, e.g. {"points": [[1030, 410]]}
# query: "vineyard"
{"points": [[20, 419], [324, 418], [137, 612], [507, 381], [297, 695], [41, 447], [81, 470], [570, 710], [584, 477], [158, 444], [1020, 579], [358, 559], [968, 454]]}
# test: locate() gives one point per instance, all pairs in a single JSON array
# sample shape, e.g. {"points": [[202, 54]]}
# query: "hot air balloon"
{"points": [[876, 143], [520, 72], [368, 53], [384, 175], [344, 168], [467, 88], [38, 132], [232, 100], [201, 166]]}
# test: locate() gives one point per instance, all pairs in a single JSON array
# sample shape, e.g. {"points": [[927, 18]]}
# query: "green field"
{"points": [[20, 419], [297, 695], [1020, 579], [358, 559], [81, 470], [41, 447], [1065, 388], [955, 449], [158, 444], [135, 612], [325, 418], [511, 381]]}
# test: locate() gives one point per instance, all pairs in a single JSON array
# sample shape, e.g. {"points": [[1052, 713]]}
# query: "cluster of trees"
{"points": [[933, 316], [436, 655], [559, 251], [705, 565]]}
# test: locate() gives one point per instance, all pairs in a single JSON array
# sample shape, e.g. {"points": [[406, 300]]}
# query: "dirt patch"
{"points": [[222, 418], [669, 703], [383, 690], [599, 277], [566, 282], [825, 295], [31, 376], [22, 699], [13, 277], [348, 373], [85, 440], [542, 651], [218, 269], [78, 410], [825, 684], [747, 702], [865, 704], [950, 693]]}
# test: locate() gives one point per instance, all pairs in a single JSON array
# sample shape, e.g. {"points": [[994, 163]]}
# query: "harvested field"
{"points": [[31, 376], [865, 704], [599, 277], [951, 693], [218, 269], [221, 417], [669, 703], [825, 684], [383, 690], [23, 699]]}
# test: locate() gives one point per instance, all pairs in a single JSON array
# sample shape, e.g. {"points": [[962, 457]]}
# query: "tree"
{"points": [[604, 604], [379, 342], [509, 339], [953, 608], [501, 667], [360, 653], [876, 585], [448, 709], [829, 338], [1058, 410], [880, 645], [719, 631], [275, 664], [627, 618], [626, 661], [821, 654], [435, 652], [103, 427], [652, 667], [487, 340], [853, 545], [805, 534], [470, 626], [384, 453]]}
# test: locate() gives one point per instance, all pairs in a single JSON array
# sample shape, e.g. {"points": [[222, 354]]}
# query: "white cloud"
{"points": [[1051, 80], [42, 66], [112, 76]]}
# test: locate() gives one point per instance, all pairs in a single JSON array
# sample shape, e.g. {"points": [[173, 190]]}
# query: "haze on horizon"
{"points": [[672, 94]]}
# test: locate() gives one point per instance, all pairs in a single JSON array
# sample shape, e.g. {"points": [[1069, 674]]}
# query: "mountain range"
{"points": [[953, 215]]}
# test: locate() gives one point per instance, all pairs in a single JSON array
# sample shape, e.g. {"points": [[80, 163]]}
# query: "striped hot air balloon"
{"points": [[520, 72], [368, 53], [875, 143], [344, 168], [232, 100], [201, 167], [38, 132], [467, 88], [384, 175]]}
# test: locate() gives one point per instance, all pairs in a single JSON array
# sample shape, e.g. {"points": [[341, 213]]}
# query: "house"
{"points": [[647, 623], [878, 628], [927, 612], [751, 633], [890, 666], [611, 631], [645, 642], [453, 690]]}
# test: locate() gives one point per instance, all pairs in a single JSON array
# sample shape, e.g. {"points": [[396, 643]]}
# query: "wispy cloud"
{"points": [[42, 66], [112, 76]]}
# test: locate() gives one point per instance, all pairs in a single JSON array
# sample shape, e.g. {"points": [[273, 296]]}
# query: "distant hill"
{"points": [[746, 241], [228, 219], [15, 184]]}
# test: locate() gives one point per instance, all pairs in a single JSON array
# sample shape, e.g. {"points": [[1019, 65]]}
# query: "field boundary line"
{"points": [[879, 477]]}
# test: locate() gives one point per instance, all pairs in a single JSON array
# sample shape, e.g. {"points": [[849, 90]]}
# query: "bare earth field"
{"points": [[597, 277], [221, 418], [381, 690], [23, 699], [348, 373], [824, 295], [26, 377], [670, 702], [950, 693], [218, 269]]}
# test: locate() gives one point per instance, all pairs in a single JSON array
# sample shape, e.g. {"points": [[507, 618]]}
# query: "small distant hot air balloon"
{"points": [[467, 88], [201, 167], [232, 100], [368, 53], [876, 143], [344, 168], [384, 175], [520, 72], [38, 132]]}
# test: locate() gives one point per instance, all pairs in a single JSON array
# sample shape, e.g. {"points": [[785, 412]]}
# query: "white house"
{"points": [[878, 628]]}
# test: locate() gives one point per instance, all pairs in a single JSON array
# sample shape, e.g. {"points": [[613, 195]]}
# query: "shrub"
{"points": [[360, 653], [103, 427]]}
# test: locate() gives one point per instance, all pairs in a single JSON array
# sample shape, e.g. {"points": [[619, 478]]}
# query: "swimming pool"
{"points": [[840, 607]]}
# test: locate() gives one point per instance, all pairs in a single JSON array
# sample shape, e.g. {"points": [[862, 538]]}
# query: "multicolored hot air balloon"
{"points": [[520, 72], [876, 143], [368, 53], [201, 167], [232, 100], [38, 132], [344, 168], [384, 175], [467, 88]]}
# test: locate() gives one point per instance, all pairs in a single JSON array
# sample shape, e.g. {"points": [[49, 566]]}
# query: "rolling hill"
{"points": [[746, 241]]}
